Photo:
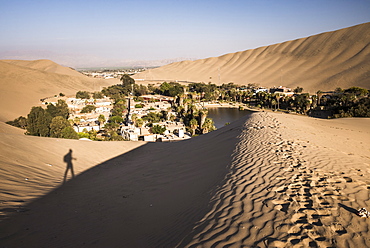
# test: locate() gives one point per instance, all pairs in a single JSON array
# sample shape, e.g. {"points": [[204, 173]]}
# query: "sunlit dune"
{"points": [[24, 83], [269, 179], [321, 62]]}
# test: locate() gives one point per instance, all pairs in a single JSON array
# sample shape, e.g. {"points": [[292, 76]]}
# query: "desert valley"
{"points": [[269, 179]]}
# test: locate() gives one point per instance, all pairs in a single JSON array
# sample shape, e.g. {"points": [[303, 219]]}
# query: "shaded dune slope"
{"points": [[267, 180], [24, 83], [32, 166], [321, 62], [148, 197]]}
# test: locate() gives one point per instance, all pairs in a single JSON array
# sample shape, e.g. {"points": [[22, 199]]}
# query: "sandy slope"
{"points": [[45, 65], [24, 83], [334, 59], [292, 184], [271, 180], [31, 166], [148, 197]]}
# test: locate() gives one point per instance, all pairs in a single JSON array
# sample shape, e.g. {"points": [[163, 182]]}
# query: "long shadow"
{"points": [[349, 209], [151, 196], [68, 160]]}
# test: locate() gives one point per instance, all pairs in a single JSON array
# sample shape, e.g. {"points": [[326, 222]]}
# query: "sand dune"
{"points": [[45, 65], [31, 166], [267, 180], [24, 83], [271, 180], [148, 197], [321, 62]]}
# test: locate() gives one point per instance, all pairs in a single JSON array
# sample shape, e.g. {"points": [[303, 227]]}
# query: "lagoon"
{"points": [[221, 116]]}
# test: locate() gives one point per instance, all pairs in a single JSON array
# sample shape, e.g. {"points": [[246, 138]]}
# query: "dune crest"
{"points": [[24, 83], [321, 62], [271, 180], [45, 65]]}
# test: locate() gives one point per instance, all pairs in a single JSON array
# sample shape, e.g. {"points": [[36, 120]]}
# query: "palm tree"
{"points": [[193, 126], [202, 115], [139, 122], [208, 126], [101, 120], [319, 94], [134, 118]]}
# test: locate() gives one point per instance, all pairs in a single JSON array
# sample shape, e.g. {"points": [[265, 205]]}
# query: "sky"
{"points": [[81, 33]]}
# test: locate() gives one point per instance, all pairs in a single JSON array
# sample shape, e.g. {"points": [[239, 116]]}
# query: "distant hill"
{"points": [[24, 83], [321, 62], [45, 65]]}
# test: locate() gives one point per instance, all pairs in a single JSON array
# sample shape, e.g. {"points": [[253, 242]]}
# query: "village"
{"points": [[130, 129]]}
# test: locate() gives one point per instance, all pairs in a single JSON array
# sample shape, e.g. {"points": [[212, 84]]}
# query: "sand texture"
{"points": [[24, 83], [321, 62], [268, 180]]}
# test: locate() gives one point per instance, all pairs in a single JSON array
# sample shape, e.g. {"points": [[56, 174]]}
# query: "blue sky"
{"points": [[88, 33]]}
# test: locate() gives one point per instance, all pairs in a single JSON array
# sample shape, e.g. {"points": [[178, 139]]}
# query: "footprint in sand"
{"points": [[338, 228]]}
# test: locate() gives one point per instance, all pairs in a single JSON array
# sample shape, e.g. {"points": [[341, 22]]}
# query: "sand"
{"points": [[321, 62], [24, 83], [268, 180]]}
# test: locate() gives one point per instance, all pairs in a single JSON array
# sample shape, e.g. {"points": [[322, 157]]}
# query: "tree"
{"points": [[82, 95], [193, 126], [88, 109], [20, 122], [208, 126], [157, 129], [111, 127], [152, 117], [101, 120], [69, 133], [298, 90], [57, 125], [139, 122], [319, 95], [98, 95], [116, 119], [202, 115], [60, 109], [128, 83], [38, 122], [127, 80]]}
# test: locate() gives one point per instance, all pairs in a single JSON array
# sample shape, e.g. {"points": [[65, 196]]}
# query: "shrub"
{"points": [[88, 109]]}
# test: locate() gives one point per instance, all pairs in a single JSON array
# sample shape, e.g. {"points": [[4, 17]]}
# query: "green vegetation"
{"points": [[98, 95], [88, 109], [170, 89], [20, 122], [351, 102], [38, 122], [157, 129], [83, 95], [61, 128], [60, 109], [49, 122]]}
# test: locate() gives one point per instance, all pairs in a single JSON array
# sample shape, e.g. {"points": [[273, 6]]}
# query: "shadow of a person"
{"points": [[68, 160]]}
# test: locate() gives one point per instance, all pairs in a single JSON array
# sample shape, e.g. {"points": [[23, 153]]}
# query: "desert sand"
{"points": [[267, 180], [320, 62], [24, 83]]}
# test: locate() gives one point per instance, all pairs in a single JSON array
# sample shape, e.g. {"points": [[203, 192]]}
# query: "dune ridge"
{"points": [[321, 62], [24, 83], [283, 191], [268, 180], [45, 65], [147, 197]]}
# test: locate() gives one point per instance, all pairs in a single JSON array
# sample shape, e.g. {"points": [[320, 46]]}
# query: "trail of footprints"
{"points": [[305, 198], [308, 197]]}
